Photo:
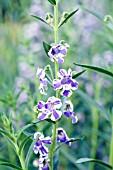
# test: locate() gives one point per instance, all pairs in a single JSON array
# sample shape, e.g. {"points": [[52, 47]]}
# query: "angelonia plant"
{"points": [[63, 84]]}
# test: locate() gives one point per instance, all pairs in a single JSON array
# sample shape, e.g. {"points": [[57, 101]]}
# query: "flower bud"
{"points": [[109, 21], [47, 68], [108, 18], [64, 16], [35, 109], [64, 43], [49, 18]]}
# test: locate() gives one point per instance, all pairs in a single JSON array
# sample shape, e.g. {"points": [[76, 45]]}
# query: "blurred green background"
{"points": [[21, 52]]}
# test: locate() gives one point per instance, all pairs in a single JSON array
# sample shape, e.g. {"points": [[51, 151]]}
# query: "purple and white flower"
{"points": [[57, 52], [44, 163], [62, 136], [39, 146], [66, 82], [43, 81], [68, 112], [50, 109]]}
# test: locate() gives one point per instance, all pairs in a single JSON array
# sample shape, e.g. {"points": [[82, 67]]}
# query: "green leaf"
{"points": [[93, 102], [39, 19], [25, 140], [83, 160], [72, 140], [69, 16], [53, 2], [6, 134], [98, 69], [4, 101], [47, 47], [23, 129], [3, 160], [10, 165], [92, 12], [29, 153], [78, 74]]}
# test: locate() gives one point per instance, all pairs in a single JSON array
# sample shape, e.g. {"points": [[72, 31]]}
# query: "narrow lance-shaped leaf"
{"points": [[98, 69], [78, 74], [53, 2], [25, 140], [47, 47], [40, 19], [23, 128], [67, 18], [83, 160], [6, 134], [10, 165], [92, 12], [30, 152], [71, 140]]}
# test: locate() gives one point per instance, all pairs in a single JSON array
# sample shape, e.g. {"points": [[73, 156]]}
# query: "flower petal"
{"points": [[57, 103], [74, 85], [68, 114], [47, 140], [38, 134], [66, 93], [43, 115], [60, 60], [43, 150], [69, 72], [42, 90], [74, 118], [56, 115], [57, 84], [36, 149], [62, 73], [40, 73], [41, 105], [61, 135]]}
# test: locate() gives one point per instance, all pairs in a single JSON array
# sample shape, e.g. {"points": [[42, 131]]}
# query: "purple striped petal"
{"points": [[57, 84], [62, 73], [74, 85], [43, 150], [40, 73], [69, 72], [60, 60], [42, 116], [66, 93], [74, 118], [36, 149], [68, 114], [61, 135], [56, 115], [41, 105], [47, 140]]}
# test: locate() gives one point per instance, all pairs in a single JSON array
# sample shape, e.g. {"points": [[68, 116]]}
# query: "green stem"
{"points": [[95, 125], [21, 158], [57, 93], [111, 146]]}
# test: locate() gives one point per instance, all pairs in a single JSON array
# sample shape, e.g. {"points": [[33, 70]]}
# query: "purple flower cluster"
{"points": [[62, 136], [53, 108], [66, 82], [42, 150], [50, 109], [57, 53], [68, 112]]}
